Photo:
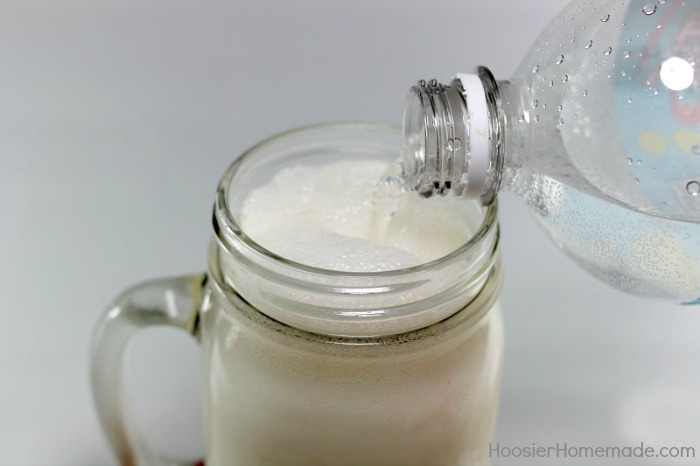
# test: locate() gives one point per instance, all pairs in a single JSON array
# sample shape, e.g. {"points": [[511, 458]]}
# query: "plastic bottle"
{"points": [[598, 130]]}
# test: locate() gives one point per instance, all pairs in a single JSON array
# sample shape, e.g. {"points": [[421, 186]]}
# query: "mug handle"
{"points": [[170, 302]]}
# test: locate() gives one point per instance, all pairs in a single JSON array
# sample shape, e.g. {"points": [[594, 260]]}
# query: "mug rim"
{"points": [[227, 227]]}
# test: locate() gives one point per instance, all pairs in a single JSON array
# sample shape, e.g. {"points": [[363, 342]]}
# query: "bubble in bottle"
{"points": [[649, 9], [454, 144], [693, 188]]}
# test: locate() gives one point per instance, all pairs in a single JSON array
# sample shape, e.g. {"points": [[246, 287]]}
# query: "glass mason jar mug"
{"points": [[311, 366]]}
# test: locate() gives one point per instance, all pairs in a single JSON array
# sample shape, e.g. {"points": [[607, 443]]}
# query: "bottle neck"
{"points": [[454, 137]]}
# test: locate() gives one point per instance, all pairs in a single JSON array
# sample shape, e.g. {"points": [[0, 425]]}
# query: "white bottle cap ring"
{"points": [[478, 134]]}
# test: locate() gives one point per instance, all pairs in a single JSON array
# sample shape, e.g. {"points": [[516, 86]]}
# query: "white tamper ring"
{"points": [[479, 134]]}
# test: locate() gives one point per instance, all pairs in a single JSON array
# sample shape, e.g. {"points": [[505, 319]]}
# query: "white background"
{"points": [[118, 116]]}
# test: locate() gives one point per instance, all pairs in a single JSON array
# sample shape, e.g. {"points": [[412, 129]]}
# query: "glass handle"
{"points": [[171, 302]]}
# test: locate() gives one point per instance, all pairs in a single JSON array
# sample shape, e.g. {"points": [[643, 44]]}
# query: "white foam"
{"points": [[333, 197], [321, 215], [329, 250]]}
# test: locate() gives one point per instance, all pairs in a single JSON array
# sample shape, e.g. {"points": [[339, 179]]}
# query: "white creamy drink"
{"points": [[288, 389]]}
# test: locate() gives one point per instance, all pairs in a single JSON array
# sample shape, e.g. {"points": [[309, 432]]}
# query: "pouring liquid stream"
{"points": [[388, 196]]}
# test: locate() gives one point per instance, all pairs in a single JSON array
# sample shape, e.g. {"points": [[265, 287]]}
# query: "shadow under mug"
{"points": [[312, 366]]}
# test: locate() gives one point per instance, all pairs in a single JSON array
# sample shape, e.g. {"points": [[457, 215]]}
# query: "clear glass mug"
{"points": [[311, 366]]}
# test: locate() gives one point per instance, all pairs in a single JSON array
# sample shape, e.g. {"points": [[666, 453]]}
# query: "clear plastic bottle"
{"points": [[598, 130]]}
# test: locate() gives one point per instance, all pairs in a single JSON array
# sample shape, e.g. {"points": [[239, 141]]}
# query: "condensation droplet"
{"points": [[649, 9], [561, 122], [693, 188], [605, 18], [626, 54], [639, 163], [535, 68], [535, 103], [560, 59], [608, 51], [537, 118], [565, 78], [544, 106], [629, 161], [551, 83], [636, 180], [585, 92], [454, 144], [662, 2], [560, 108], [629, 100], [589, 44]]}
